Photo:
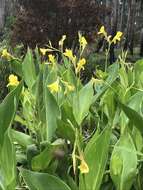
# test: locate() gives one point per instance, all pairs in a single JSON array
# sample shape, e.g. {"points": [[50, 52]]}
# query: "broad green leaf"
{"points": [[67, 113], [123, 163], [28, 69], [138, 139], [21, 138], [135, 103], [43, 181], [16, 67], [69, 76], [113, 74], [7, 152], [7, 110], [108, 103], [71, 183], [139, 73], [82, 101], [41, 161], [65, 131], [96, 155], [134, 117], [52, 113], [8, 162]]}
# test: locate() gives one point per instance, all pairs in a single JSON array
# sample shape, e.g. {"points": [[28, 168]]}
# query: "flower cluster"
{"points": [[55, 87], [109, 38]]}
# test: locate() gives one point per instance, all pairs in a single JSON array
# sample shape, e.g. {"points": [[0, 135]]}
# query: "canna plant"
{"points": [[72, 136]]}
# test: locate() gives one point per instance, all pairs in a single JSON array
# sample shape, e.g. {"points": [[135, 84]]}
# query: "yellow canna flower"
{"points": [[13, 80], [71, 88], [82, 41], [68, 87], [54, 87], [44, 51], [68, 53], [61, 42], [6, 55], [80, 65], [52, 58], [117, 37], [102, 31], [109, 38], [84, 169]]}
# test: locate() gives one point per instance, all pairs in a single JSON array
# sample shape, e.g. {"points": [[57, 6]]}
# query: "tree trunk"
{"points": [[129, 42], [7, 8], [122, 18], [114, 22], [2, 15], [141, 44]]}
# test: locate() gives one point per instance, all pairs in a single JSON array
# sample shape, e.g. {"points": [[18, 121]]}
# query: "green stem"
{"points": [[107, 53]]}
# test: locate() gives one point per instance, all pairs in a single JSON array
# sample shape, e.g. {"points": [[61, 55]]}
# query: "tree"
{"points": [[114, 24], [2, 14], [141, 43], [129, 42], [40, 21]]}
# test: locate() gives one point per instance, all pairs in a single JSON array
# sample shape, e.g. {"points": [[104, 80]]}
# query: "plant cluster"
{"points": [[71, 136]]}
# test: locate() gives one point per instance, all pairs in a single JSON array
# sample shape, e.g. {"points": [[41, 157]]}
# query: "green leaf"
{"points": [[28, 69], [8, 162], [7, 110], [43, 181], [135, 101], [16, 67], [41, 161], [139, 72], [52, 113], [112, 76], [96, 155], [22, 139], [135, 118], [65, 131], [123, 163], [7, 152], [82, 101]]}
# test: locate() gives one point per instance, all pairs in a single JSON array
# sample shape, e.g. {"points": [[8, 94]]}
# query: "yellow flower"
{"points": [[82, 41], [44, 51], [117, 37], [109, 38], [84, 169], [13, 80], [6, 55], [102, 31], [61, 42], [54, 87], [68, 53], [68, 87], [71, 88], [80, 65], [51, 58]]}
